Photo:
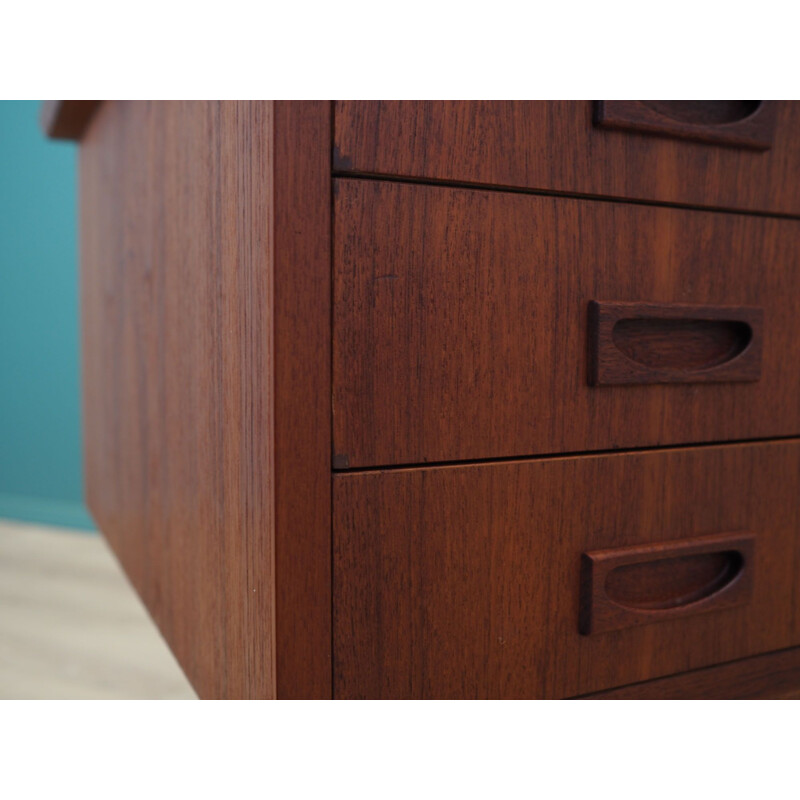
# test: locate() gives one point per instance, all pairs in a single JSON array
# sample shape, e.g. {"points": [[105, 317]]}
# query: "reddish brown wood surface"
{"points": [[647, 584], [464, 581], [554, 146], [772, 676], [672, 343], [302, 331], [460, 332], [67, 119], [460, 322], [737, 123], [206, 425]]}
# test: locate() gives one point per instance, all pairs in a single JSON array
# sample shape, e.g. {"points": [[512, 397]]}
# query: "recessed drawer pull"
{"points": [[651, 343], [735, 123], [639, 585]]}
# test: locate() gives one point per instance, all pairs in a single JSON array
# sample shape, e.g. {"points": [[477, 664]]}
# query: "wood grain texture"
{"points": [[460, 322], [463, 581], [772, 676], [736, 123], [197, 381], [554, 146], [671, 343], [302, 309], [459, 332], [647, 584], [67, 119]]}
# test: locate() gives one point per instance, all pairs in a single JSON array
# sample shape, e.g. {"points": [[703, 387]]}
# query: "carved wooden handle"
{"points": [[651, 583], [667, 343], [735, 123]]}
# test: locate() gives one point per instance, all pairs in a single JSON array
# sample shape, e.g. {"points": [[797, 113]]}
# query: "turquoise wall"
{"points": [[40, 429]]}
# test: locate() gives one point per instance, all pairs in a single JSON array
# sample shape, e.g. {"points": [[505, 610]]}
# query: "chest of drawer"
{"points": [[563, 146], [383, 419], [466, 581], [462, 325]]}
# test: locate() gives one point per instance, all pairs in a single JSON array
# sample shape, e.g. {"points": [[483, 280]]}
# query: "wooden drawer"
{"points": [[461, 325], [556, 146], [465, 581]]}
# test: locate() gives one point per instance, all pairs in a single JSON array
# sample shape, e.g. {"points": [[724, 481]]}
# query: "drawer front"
{"points": [[462, 325], [559, 146], [466, 581]]}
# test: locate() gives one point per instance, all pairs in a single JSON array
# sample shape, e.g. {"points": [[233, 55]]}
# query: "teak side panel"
{"points": [[195, 346], [464, 581], [772, 676], [177, 289], [555, 146], [461, 322]]}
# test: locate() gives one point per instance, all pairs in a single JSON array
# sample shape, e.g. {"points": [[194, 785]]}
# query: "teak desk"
{"points": [[449, 399]]}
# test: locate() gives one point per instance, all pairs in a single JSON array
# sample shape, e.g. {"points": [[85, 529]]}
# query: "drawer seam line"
{"points": [[563, 454], [453, 184], [591, 695]]}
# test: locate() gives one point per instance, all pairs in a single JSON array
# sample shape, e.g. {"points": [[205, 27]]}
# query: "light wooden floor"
{"points": [[70, 624]]}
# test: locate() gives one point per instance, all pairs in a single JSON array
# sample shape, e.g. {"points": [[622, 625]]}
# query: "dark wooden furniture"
{"points": [[431, 399]]}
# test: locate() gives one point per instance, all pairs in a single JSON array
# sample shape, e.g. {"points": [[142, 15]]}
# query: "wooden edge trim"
{"points": [[67, 119], [302, 341]]}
